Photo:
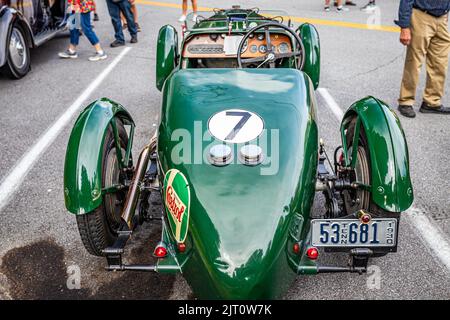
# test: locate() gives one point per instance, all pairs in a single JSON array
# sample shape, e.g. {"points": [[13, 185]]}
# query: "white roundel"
{"points": [[235, 125]]}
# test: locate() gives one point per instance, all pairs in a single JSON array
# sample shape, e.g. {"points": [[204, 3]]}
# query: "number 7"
{"points": [[245, 116]]}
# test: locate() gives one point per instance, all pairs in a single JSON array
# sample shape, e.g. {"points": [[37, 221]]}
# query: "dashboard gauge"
{"points": [[260, 36], [223, 35], [254, 48], [262, 48], [214, 36], [251, 36], [283, 48]]}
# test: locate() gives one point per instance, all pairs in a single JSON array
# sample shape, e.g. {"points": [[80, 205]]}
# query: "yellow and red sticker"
{"points": [[177, 199]]}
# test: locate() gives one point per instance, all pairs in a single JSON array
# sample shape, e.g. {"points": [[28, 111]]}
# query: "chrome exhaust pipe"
{"points": [[135, 187]]}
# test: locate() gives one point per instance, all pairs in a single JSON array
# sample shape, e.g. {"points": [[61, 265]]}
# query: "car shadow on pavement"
{"points": [[38, 271]]}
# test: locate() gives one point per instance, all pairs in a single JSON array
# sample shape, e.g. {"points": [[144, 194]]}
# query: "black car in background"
{"points": [[26, 24]]}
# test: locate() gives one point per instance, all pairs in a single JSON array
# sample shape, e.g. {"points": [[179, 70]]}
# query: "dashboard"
{"points": [[212, 46]]}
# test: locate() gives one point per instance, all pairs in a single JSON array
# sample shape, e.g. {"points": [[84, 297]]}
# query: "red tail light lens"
{"points": [[312, 253], [160, 250], [296, 248], [181, 247]]}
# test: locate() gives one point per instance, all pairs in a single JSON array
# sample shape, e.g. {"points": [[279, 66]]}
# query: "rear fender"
{"points": [[83, 164], [310, 38], [391, 187]]}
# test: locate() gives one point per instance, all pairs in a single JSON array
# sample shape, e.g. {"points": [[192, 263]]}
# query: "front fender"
{"points": [[311, 41], [391, 187], [83, 163]]}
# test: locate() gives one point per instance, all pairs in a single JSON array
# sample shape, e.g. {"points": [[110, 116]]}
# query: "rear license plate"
{"points": [[380, 232]]}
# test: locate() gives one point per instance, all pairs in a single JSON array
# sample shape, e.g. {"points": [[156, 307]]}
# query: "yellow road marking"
{"points": [[333, 23]]}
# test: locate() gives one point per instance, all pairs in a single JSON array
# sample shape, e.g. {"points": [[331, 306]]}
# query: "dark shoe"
{"points": [[425, 108], [96, 17], [117, 43], [134, 39], [407, 111], [138, 27], [124, 26]]}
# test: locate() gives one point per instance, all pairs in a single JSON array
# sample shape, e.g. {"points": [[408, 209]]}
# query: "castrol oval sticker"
{"points": [[177, 199]]}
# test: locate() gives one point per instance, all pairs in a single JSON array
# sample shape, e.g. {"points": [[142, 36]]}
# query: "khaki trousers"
{"points": [[430, 40]]}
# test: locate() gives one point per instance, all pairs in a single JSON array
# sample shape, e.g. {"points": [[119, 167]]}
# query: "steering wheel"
{"points": [[270, 57]]}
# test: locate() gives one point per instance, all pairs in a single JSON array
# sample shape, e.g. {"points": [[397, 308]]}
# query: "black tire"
{"points": [[98, 229], [17, 53], [364, 157]]}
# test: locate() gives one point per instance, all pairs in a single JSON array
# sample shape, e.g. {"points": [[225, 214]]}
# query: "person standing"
{"points": [[83, 8], [339, 6], [185, 7], [115, 7], [424, 30], [135, 17]]}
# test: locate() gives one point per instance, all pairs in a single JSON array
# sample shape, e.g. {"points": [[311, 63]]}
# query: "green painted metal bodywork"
{"points": [[241, 222], [391, 187], [311, 41], [83, 163], [244, 220], [166, 54]]}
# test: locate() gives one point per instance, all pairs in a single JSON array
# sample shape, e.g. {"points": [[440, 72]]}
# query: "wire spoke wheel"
{"points": [[99, 229]]}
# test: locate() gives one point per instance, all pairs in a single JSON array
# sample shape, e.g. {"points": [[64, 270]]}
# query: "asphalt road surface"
{"points": [[39, 240]]}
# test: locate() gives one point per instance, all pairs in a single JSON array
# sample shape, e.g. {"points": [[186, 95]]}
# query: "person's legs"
{"points": [[87, 29], [71, 51], [135, 16], [437, 64], [114, 12], [134, 12], [421, 31], [74, 38], [185, 7], [194, 5], [92, 37], [125, 8]]}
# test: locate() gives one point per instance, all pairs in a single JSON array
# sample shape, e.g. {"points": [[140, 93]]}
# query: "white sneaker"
{"points": [[194, 18], [68, 54], [182, 18], [98, 56], [341, 9], [369, 7]]}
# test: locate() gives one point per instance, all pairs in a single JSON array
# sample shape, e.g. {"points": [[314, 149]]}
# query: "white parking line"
{"points": [[16, 176], [427, 230], [331, 103]]}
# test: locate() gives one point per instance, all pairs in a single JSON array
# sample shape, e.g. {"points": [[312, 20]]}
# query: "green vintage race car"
{"points": [[237, 161]]}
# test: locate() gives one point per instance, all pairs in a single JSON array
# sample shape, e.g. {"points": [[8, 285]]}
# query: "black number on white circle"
{"points": [[244, 118]]}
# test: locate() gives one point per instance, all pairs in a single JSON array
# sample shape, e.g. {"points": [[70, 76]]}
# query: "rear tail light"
{"points": [[160, 250], [312, 253], [181, 247], [296, 248]]}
